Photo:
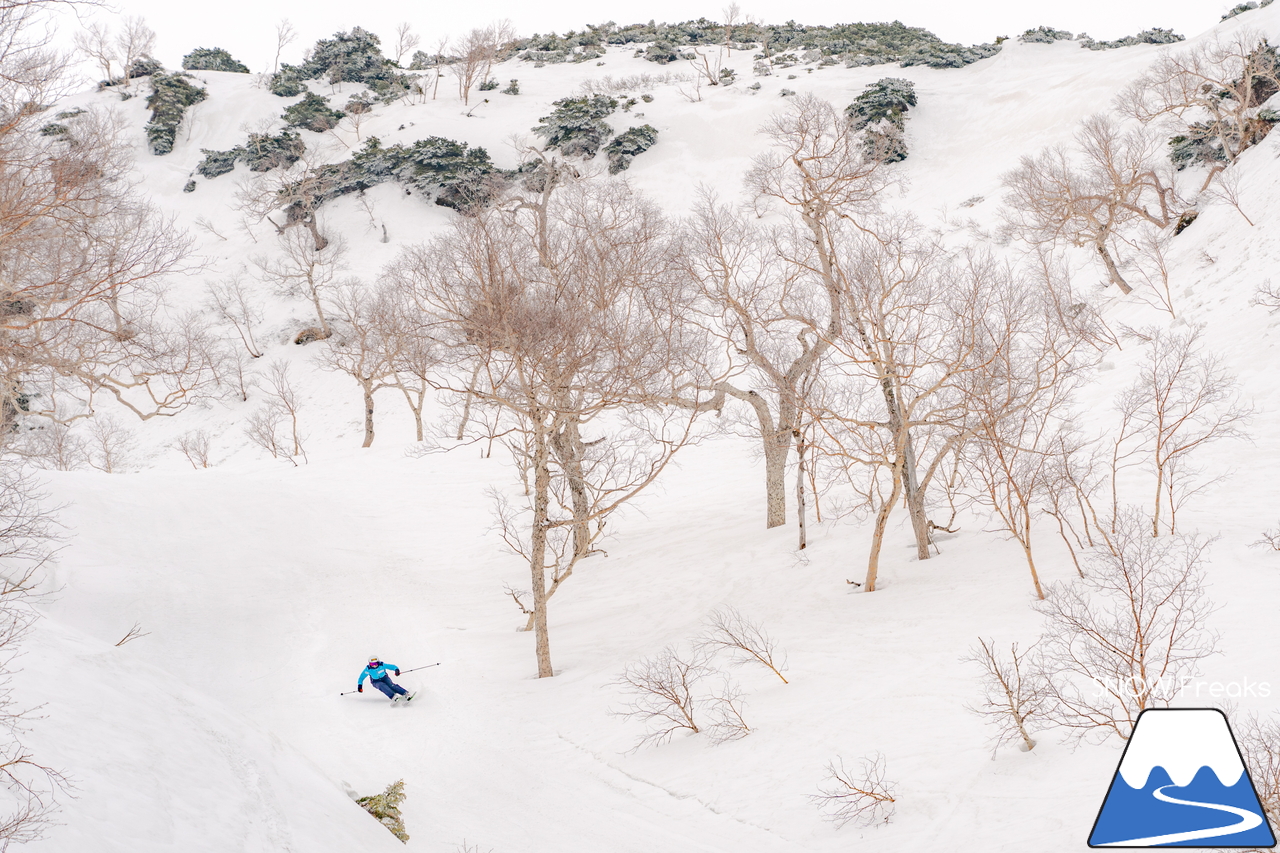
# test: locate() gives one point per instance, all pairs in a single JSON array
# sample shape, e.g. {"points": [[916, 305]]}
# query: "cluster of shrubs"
{"points": [[171, 94], [1045, 35], [853, 44], [1155, 35], [1246, 7], [881, 111], [213, 59], [1049, 35], [354, 57], [262, 153], [577, 128]]}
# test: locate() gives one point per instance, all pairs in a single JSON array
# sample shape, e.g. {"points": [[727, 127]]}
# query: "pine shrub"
{"points": [[213, 59], [626, 146], [386, 808], [1044, 35], [576, 126], [171, 94], [881, 111], [312, 113]]}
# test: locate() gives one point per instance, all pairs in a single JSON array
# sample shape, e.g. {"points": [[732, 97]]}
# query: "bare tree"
{"points": [[232, 302], [285, 36], [1018, 404], [772, 295], [662, 694], [729, 630], [406, 41], [1259, 741], [1182, 400], [1016, 692], [27, 531], [195, 446], [362, 350], [1210, 93], [97, 43], [85, 262], [135, 41], [865, 797], [477, 51], [1126, 635], [274, 426], [567, 332], [26, 539], [305, 269], [1087, 198]]}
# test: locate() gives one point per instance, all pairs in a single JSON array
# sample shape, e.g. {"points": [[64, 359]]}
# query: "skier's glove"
{"points": [[397, 672], [360, 688]]}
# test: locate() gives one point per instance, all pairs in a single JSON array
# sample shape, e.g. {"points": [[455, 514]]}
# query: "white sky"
{"points": [[247, 27]]}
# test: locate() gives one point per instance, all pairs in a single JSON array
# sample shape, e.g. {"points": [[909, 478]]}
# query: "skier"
{"points": [[376, 672]]}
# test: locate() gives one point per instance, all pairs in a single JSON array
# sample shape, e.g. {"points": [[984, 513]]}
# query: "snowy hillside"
{"points": [[263, 586]]}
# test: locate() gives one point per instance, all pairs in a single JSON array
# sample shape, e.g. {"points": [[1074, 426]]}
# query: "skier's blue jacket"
{"points": [[376, 672]]}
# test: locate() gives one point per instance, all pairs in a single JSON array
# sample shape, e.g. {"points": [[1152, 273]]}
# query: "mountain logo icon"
{"points": [[1181, 783]]}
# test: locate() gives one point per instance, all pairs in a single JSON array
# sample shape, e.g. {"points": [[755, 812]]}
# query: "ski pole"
{"points": [[416, 668], [349, 692]]}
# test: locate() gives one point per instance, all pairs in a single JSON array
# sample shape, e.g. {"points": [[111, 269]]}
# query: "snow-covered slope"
{"points": [[264, 587]]}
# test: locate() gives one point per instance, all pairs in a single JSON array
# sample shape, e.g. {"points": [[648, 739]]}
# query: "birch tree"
{"points": [[1089, 197], [574, 344], [770, 294]]}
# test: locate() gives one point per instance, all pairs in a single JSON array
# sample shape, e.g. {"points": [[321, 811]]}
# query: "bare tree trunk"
{"points": [[538, 549], [800, 511], [877, 532], [915, 501], [416, 408], [1026, 549], [775, 469], [466, 404], [570, 450], [367, 386], [1112, 270], [320, 241]]}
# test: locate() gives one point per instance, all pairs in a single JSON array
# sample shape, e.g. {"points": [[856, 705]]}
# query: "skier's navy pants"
{"points": [[388, 687]]}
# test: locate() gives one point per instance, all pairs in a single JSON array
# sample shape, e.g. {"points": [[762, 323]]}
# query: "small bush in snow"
{"points": [[664, 693], [576, 125], [488, 85], [747, 641], [145, 67], [386, 808], [213, 59], [1044, 35], [864, 797], [623, 149], [513, 88], [217, 163], [171, 94], [313, 113]]}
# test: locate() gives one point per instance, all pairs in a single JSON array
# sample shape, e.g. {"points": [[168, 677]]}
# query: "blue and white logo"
{"points": [[1181, 783]]}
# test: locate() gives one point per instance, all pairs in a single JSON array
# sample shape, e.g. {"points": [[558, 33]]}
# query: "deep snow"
{"points": [[264, 587]]}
